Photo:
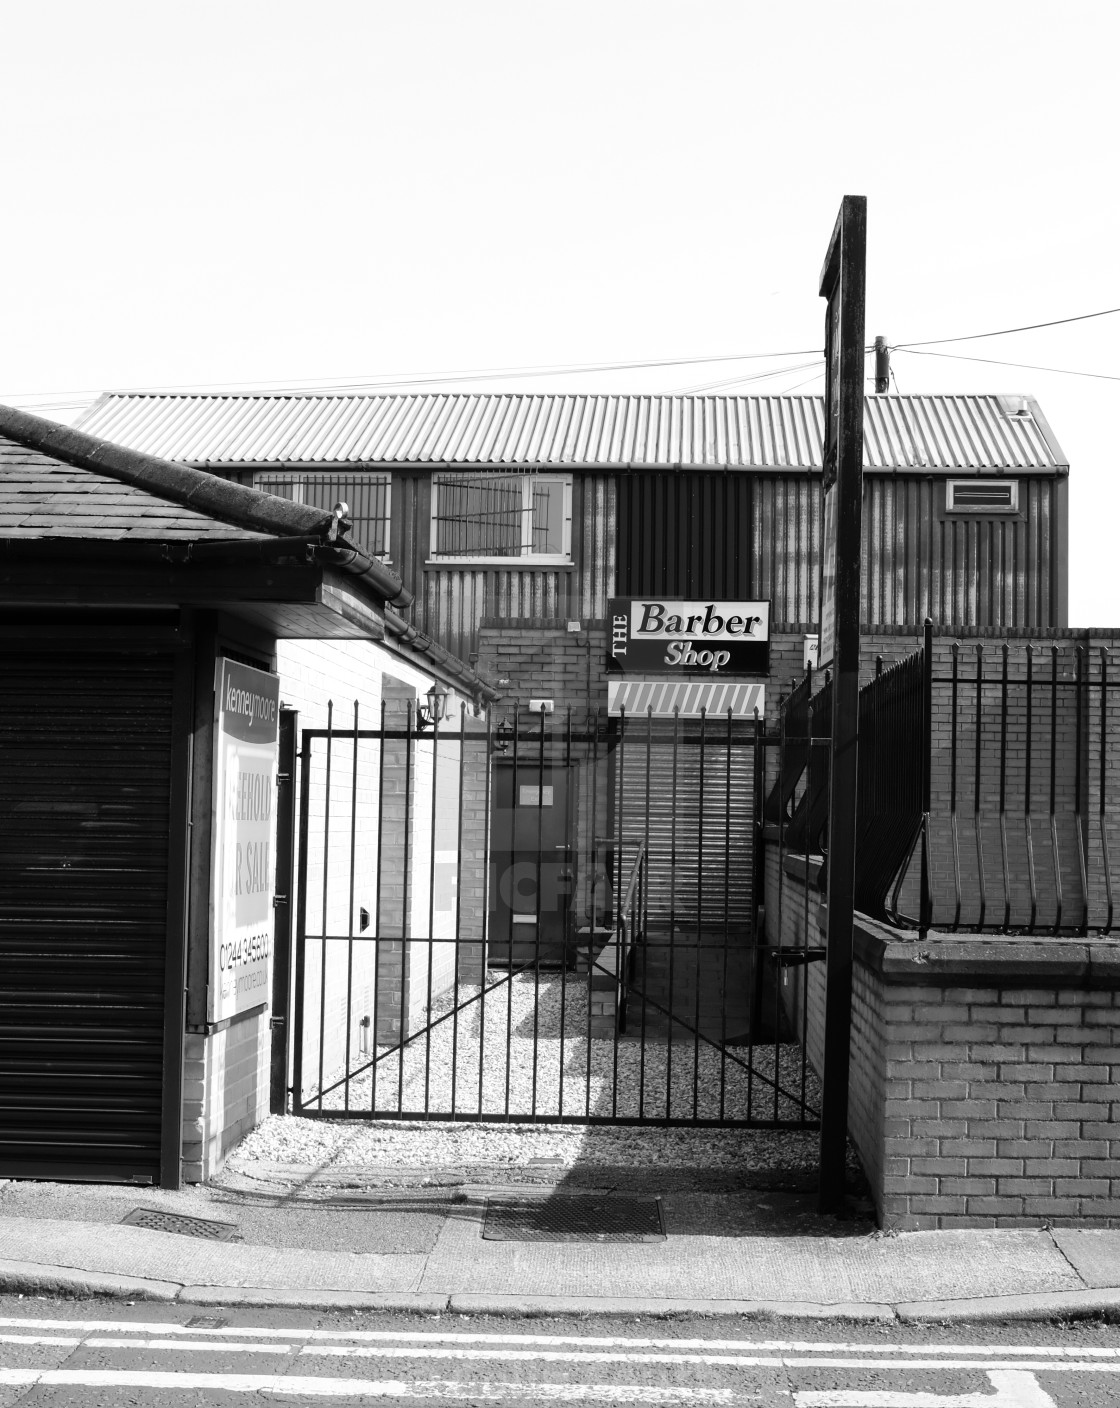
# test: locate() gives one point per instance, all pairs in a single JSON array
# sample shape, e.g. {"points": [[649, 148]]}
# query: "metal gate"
{"points": [[552, 919]]}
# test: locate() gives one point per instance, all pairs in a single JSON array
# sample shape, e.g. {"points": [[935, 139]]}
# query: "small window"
{"points": [[502, 517], [366, 494], [982, 496]]}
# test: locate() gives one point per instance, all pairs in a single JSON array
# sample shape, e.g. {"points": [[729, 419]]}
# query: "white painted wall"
{"points": [[327, 677]]}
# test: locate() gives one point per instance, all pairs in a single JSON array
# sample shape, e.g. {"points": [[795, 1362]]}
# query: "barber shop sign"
{"points": [[689, 637]]}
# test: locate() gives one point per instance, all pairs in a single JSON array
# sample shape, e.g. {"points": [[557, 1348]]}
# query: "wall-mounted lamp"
{"points": [[436, 710], [505, 732]]}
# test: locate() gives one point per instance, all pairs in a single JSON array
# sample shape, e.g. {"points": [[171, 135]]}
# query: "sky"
{"points": [[253, 195]]}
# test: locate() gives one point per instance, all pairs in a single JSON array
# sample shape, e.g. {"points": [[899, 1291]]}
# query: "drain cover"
{"points": [[574, 1219], [161, 1221]]}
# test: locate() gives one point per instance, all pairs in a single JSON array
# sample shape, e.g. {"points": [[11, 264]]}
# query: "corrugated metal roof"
{"points": [[942, 432]]}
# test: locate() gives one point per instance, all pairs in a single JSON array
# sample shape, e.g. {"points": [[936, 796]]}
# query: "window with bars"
{"points": [[502, 516], [367, 495]]}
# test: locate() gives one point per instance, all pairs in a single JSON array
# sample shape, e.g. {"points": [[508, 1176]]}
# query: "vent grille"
{"points": [[982, 496]]}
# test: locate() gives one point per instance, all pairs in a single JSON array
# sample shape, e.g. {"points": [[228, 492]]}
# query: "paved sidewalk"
{"points": [[343, 1238]]}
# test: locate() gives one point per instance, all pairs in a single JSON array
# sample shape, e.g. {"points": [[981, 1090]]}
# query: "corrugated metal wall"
{"points": [[959, 570], [452, 599], [962, 571], [741, 536], [786, 546], [684, 535]]}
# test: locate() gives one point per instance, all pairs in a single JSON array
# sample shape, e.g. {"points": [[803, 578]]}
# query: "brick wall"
{"points": [[225, 1091], [540, 658], [985, 1076]]}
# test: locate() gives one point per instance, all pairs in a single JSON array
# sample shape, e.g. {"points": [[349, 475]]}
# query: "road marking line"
{"points": [[40, 1339], [747, 1361], [546, 1356], [445, 1389], [119, 1342], [569, 1342], [461, 1352], [1013, 1390], [985, 1365]]}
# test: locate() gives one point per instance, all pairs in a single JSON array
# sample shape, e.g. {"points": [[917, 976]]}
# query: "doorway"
{"points": [[532, 863]]}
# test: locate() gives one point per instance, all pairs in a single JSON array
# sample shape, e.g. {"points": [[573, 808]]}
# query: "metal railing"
{"points": [[986, 801], [1023, 824]]}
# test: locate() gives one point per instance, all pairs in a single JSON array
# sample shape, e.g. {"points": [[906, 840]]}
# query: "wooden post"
{"points": [[843, 284]]}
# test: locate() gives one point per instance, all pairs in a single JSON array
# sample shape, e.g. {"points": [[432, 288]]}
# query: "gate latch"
{"points": [[792, 957]]}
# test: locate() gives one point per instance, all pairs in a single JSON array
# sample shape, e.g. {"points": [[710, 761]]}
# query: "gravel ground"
{"points": [[562, 1072], [514, 1143], [548, 1150]]}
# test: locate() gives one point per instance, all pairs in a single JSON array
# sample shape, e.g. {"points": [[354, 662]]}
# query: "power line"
{"points": [[324, 386], [1003, 332], [58, 400], [1023, 366], [807, 382], [742, 380]]}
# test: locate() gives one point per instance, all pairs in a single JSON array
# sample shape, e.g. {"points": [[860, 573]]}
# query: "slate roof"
{"points": [[41, 497], [58, 482]]}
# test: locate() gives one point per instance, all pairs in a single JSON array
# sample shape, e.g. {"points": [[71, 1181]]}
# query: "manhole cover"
{"points": [[160, 1221], [575, 1219]]}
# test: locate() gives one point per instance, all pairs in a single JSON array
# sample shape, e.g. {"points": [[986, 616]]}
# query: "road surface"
{"points": [[109, 1354]]}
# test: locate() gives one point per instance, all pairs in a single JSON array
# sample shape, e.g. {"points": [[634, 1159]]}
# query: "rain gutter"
{"points": [[448, 663]]}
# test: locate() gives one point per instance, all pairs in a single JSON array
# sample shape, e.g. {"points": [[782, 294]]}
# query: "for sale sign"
{"points": [[242, 871], [688, 637]]}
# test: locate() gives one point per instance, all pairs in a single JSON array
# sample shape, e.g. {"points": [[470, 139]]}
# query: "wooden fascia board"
{"points": [[86, 583]]}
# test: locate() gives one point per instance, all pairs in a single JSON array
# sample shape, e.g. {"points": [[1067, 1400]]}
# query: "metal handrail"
{"points": [[635, 890]]}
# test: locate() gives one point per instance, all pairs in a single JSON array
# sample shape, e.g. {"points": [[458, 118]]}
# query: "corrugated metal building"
{"points": [[711, 496], [523, 525]]}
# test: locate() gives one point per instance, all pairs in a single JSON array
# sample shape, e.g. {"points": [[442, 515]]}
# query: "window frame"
{"points": [[524, 559], [300, 476]]}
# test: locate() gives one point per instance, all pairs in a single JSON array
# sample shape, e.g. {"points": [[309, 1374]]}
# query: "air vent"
{"points": [[982, 496]]}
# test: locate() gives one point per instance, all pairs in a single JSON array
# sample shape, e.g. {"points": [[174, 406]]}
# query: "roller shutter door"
{"points": [[699, 832], [85, 771]]}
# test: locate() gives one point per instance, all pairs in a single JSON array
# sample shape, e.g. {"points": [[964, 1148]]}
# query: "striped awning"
{"points": [[686, 698]]}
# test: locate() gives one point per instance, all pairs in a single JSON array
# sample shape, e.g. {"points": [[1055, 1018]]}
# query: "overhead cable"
{"points": [[743, 379], [322, 386], [1023, 366], [1004, 332]]}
